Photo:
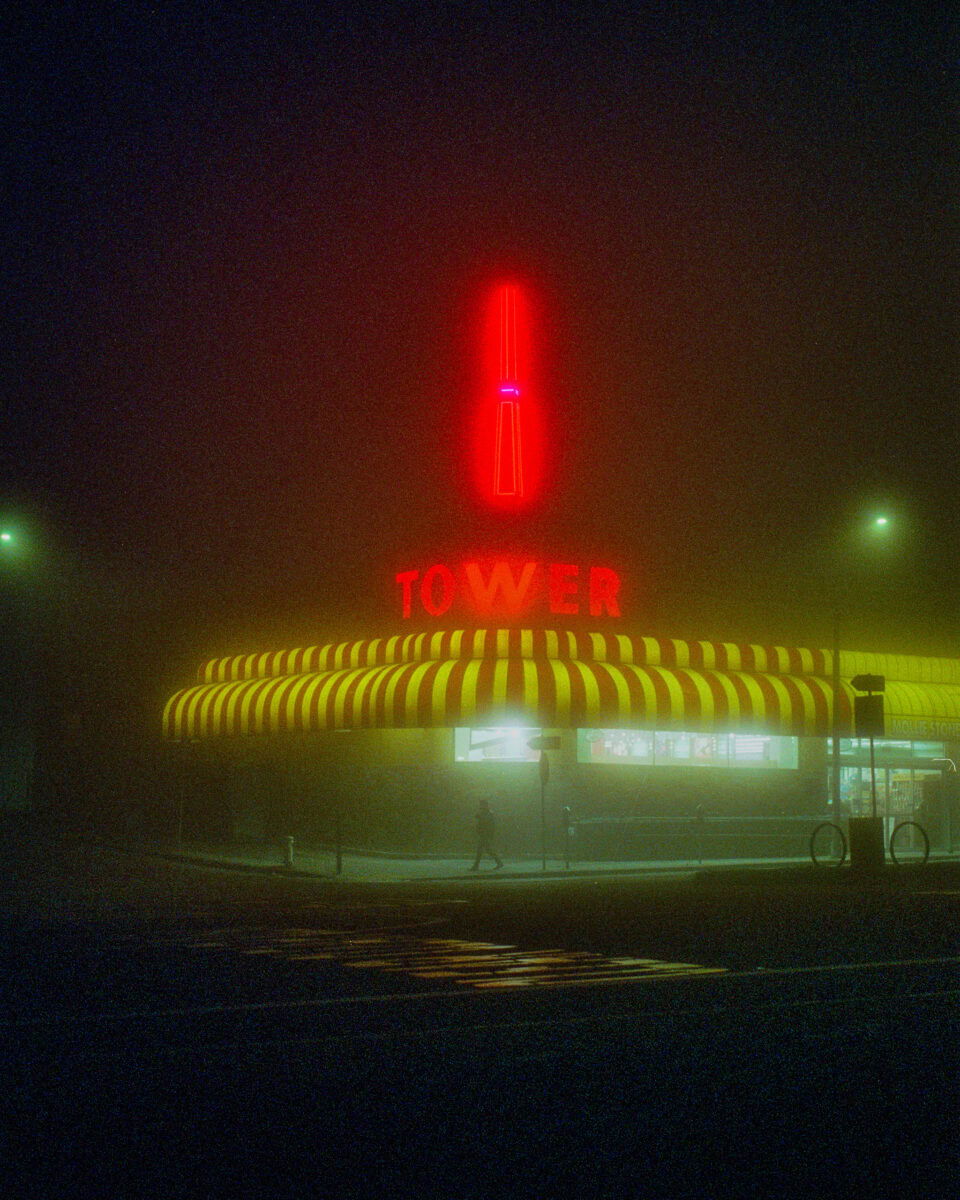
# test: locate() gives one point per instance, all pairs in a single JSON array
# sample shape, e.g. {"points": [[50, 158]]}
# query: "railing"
{"points": [[701, 837], [697, 837]]}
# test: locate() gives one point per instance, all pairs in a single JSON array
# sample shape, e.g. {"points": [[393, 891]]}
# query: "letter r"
{"points": [[604, 589]]}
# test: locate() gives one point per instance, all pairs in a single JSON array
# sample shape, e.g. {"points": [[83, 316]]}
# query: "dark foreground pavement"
{"points": [[175, 1030]]}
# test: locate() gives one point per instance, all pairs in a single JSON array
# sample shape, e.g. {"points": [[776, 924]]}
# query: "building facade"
{"points": [[658, 741], [660, 744]]}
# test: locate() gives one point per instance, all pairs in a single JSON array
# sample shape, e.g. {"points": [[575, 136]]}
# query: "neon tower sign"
{"points": [[508, 448], [507, 444], [508, 454]]}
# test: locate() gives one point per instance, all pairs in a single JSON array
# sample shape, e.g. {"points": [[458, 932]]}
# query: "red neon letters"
{"points": [[505, 590]]}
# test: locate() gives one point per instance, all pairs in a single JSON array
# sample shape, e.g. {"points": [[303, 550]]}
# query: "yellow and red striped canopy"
{"points": [[554, 679]]}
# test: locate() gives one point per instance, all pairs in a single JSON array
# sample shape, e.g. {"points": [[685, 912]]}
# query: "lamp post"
{"points": [[21, 629], [878, 526], [867, 833], [41, 581], [835, 723]]}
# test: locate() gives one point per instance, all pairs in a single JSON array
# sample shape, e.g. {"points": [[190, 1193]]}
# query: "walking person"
{"points": [[486, 828]]}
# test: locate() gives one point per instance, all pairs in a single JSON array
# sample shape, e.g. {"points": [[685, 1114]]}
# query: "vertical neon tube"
{"points": [[507, 453]]}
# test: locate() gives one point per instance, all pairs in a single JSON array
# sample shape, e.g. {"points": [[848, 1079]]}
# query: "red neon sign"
{"points": [[505, 590], [508, 446], [508, 450]]}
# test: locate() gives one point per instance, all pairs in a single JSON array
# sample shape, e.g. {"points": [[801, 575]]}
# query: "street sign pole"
{"points": [[543, 744], [835, 720], [339, 834], [873, 782], [869, 723], [544, 776]]}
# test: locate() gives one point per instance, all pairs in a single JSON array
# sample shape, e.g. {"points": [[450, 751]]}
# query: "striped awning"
{"points": [[554, 680], [535, 644]]}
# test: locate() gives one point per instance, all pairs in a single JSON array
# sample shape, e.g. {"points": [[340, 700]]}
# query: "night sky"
{"points": [[242, 253]]}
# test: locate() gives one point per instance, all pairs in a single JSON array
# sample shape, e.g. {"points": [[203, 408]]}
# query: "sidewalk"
{"points": [[364, 867]]}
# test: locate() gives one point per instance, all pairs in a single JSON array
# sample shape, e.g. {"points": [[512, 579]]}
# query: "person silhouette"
{"points": [[486, 829]]}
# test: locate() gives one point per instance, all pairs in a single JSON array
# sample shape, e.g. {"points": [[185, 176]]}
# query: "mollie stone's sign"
{"points": [[506, 589]]}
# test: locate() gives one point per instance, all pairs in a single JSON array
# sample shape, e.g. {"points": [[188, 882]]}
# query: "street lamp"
{"points": [[11, 545], [20, 687], [879, 525], [35, 577]]}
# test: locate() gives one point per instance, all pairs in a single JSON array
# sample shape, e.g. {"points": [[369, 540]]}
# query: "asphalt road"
{"points": [[172, 1030]]}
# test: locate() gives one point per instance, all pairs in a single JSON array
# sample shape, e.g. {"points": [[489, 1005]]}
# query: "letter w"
{"points": [[501, 590]]}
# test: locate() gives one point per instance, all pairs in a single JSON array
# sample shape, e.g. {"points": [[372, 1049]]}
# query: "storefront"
{"points": [[400, 736], [394, 739]]}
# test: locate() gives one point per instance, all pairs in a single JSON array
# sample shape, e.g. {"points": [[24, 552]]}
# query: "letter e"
{"points": [[563, 583]]}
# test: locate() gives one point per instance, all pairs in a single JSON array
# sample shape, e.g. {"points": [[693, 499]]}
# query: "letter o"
{"points": [[435, 605]]}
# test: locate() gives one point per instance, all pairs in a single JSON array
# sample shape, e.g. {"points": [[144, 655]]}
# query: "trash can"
{"points": [[866, 843]]}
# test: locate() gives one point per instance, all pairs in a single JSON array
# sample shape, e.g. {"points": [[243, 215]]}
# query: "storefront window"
{"points": [[495, 745], [669, 748], [615, 745], [760, 750], [887, 750]]}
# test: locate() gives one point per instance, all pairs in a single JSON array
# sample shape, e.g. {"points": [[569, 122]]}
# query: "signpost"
{"points": [[543, 744], [868, 720], [866, 833]]}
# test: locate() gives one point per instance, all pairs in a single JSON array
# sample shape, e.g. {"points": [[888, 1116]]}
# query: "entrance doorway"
{"points": [[899, 793]]}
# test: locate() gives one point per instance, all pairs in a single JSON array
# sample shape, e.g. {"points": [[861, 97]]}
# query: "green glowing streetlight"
{"points": [[881, 533], [876, 526], [13, 547]]}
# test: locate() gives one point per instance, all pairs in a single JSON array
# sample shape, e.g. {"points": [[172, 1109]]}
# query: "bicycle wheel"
{"points": [[818, 861], [923, 835]]}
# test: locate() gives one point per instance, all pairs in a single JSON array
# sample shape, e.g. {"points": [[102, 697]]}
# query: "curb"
{"points": [[464, 876], [793, 874]]}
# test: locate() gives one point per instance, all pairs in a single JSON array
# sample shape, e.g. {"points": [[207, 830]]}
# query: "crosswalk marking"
{"points": [[467, 964]]}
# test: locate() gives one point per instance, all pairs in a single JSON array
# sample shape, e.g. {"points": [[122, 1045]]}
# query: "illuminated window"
{"points": [[889, 750], [501, 744], [673, 748]]}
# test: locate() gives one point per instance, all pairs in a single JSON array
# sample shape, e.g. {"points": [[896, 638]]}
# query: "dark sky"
{"points": [[240, 253]]}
